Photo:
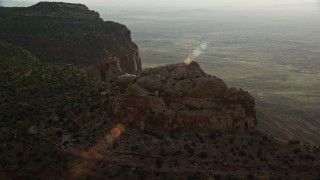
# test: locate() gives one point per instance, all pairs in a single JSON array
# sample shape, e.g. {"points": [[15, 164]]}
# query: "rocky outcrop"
{"points": [[69, 34], [105, 70], [180, 96]]}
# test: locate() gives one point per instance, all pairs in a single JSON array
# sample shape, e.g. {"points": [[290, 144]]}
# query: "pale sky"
{"points": [[154, 5], [182, 3]]}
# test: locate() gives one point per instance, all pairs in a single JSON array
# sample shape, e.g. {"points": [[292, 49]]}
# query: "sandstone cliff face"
{"points": [[69, 33], [179, 96]]}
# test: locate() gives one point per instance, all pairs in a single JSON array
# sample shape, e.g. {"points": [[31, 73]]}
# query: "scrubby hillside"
{"points": [[219, 155], [10, 51], [42, 108]]}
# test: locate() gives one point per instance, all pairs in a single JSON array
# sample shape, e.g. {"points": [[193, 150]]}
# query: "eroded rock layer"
{"points": [[179, 96]]}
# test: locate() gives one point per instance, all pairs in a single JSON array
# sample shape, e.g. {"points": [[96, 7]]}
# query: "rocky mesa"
{"points": [[179, 96], [69, 33]]}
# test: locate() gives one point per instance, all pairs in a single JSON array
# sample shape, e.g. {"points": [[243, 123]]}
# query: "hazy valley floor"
{"points": [[280, 68]]}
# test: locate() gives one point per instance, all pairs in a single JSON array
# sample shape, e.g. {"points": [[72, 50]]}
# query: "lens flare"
{"points": [[109, 138], [188, 60], [204, 46], [195, 53], [78, 170], [120, 127], [115, 133], [96, 152]]}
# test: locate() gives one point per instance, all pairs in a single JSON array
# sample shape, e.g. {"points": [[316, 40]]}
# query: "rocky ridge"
{"points": [[69, 33], [179, 96]]}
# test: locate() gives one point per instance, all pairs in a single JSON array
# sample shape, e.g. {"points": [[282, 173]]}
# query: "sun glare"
{"points": [[196, 53]]}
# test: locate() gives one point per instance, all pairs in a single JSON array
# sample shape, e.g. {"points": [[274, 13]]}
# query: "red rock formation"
{"points": [[180, 96]]}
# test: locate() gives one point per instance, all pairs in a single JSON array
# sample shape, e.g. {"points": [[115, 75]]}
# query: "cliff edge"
{"points": [[69, 34]]}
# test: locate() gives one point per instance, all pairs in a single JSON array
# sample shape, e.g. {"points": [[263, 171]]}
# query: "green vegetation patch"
{"points": [[35, 94]]}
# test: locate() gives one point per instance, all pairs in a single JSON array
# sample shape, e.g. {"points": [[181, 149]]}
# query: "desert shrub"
{"points": [[194, 177], [294, 142], [285, 161], [19, 154], [266, 138], [163, 153], [115, 144], [134, 148], [175, 133], [141, 174], [309, 157], [259, 153], [263, 159], [217, 177], [231, 140], [262, 143], [246, 161], [203, 155], [176, 163], [190, 151], [213, 135], [176, 153], [242, 153], [159, 163], [296, 150], [201, 139], [250, 176], [236, 160]]}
